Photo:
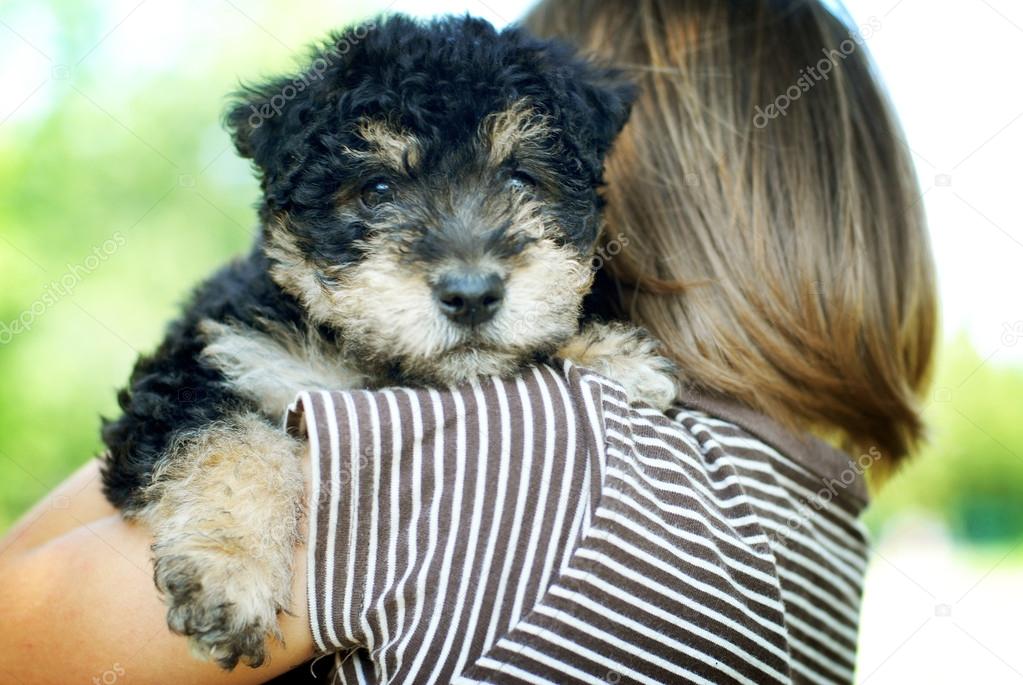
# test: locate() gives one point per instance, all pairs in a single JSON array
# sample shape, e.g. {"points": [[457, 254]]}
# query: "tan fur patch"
{"points": [[293, 272], [627, 355], [389, 146], [225, 516], [543, 298], [272, 368], [389, 309], [543, 295], [388, 314], [504, 132]]}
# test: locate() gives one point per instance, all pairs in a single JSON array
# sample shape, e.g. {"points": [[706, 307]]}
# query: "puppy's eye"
{"points": [[377, 193], [521, 182]]}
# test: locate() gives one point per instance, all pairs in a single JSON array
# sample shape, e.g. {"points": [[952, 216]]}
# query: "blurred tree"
{"points": [[119, 191], [971, 473]]}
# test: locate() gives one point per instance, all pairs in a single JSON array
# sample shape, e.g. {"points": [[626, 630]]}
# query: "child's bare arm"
{"points": [[79, 603]]}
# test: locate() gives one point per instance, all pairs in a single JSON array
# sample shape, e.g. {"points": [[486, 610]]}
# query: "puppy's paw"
{"points": [[628, 355], [224, 608], [225, 516]]}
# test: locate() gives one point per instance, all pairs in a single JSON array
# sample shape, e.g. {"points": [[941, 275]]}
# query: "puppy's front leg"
{"points": [[628, 355], [225, 513]]}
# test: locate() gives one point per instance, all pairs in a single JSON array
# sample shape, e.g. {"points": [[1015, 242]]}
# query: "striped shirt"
{"points": [[542, 530]]}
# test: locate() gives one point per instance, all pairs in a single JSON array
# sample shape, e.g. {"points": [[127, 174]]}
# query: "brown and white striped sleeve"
{"points": [[541, 530]]}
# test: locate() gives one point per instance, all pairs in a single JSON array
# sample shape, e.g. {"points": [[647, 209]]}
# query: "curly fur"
{"points": [[491, 145], [225, 511]]}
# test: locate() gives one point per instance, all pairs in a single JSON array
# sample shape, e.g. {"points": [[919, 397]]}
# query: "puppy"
{"points": [[429, 213]]}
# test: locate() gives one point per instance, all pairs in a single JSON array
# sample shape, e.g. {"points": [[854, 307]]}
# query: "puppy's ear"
{"points": [[274, 123], [608, 96], [265, 120], [596, 98], [245, 115]]}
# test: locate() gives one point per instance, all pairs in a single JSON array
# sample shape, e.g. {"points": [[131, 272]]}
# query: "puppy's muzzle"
{"points": [[469, 297]]}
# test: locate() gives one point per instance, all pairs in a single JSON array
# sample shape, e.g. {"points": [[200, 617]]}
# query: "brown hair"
{"points": [[766, 211]]}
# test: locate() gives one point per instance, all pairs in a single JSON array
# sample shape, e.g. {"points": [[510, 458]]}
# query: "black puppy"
{"points": [[429, 214]]}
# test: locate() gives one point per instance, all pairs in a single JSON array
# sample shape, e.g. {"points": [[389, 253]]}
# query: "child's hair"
{"points": [[765, 212]]}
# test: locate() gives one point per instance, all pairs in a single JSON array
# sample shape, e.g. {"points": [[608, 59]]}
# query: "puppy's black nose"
{"points": [[469, 298]]}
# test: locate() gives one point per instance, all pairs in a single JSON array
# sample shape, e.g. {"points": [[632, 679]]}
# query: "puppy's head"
{"points": [[430, 190]]}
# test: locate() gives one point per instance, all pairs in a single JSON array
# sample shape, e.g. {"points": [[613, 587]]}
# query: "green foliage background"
{"points": [[122, 138], [126, 141]]}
